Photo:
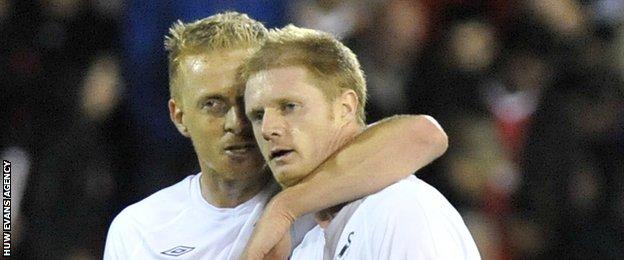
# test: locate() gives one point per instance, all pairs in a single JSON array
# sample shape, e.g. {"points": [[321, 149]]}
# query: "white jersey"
{"points": [[177, 223], [407, 220]]}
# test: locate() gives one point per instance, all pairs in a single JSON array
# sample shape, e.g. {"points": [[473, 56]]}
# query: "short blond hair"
{"points": [[228, 30], [325, 57]]}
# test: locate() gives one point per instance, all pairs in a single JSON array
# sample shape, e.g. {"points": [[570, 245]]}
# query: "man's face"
{"points": [[212, 114], [294, 123]]}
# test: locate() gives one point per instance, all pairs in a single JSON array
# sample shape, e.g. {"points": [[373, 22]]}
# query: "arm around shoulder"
{"points": [[383, 154], [386, 152]]}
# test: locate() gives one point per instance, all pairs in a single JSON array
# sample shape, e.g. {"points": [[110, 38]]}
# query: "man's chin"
{"points": [[243, 158], [287, 179], [246, 168]]}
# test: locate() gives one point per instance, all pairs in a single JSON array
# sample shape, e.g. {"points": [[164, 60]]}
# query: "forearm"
{"points": [[380, 156]]}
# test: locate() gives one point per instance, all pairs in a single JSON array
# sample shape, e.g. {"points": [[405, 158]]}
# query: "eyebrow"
{"points": [[285, 100]]}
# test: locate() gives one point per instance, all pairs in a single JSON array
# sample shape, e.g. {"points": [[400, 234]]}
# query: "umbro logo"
{"points": [[178, 251]]}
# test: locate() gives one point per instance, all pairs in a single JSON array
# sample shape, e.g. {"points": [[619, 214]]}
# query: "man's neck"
{"points": [[349, 132], [227, 193]]}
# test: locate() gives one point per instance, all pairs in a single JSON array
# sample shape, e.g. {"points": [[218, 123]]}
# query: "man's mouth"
{"points": [[279, 153], [236, 149]]}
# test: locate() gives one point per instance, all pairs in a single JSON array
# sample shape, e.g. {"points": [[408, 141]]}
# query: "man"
{"points": [[305, 97], [211, 215]]}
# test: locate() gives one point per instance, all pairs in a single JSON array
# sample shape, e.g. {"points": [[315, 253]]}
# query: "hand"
{"points": [[280, 251], [271, 236]]}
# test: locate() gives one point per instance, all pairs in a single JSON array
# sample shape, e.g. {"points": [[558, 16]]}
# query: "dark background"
{"points": [[530, 92]]}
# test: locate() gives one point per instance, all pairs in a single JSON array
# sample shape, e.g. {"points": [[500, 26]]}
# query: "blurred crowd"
{"points": [[531, 94]]}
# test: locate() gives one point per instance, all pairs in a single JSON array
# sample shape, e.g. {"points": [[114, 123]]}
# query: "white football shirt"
{"points": [[177, 223], [407, 220]]}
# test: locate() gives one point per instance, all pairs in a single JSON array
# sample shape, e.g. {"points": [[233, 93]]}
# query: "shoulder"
{"points": [[416, 212], [158, 207], [411, 199], [410, 191], [410, 205]]}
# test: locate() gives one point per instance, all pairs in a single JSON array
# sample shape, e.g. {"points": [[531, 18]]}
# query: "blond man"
{"points": [[210, 215], [304, 97]]}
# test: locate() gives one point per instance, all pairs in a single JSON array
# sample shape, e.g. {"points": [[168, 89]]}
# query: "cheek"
{"points": [[323, 137], [205, 133], [311, 140], [311, 131]]}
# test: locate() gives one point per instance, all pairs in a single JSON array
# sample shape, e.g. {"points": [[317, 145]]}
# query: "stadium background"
{"points": [[530, 92]]}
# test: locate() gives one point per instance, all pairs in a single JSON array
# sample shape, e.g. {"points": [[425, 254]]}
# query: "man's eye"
{"points": [[289, 107], [210, 103], [257, 116], [213, 105]]}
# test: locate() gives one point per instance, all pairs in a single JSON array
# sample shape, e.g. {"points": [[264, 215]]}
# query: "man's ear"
{"points": [[349, 103], [176, 114]]}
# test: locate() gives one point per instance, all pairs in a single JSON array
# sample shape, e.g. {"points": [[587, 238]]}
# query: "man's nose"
{"points": [[235, 121], [272, 125]]}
